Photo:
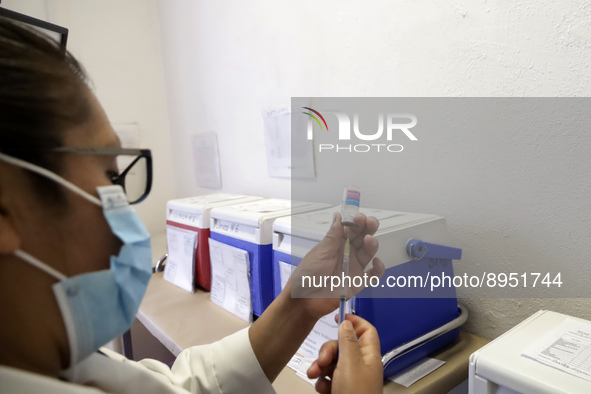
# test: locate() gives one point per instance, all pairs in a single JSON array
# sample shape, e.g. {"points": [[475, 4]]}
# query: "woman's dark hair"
{"points": [[42, 94]]}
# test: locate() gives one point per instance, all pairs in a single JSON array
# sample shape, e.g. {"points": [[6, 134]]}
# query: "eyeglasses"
{"points": [[135, 179]]}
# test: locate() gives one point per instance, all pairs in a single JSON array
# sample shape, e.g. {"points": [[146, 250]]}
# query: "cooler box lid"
{"points": [[194, 211], [255, 219], [297, 234], [314, 225]]}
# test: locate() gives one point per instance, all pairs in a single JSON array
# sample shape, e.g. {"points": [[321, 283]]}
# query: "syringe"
{"points": [[343, 287], [349, 208]]}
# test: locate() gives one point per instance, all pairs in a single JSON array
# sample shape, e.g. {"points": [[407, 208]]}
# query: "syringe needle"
{"points": [[349, 208], [345, 274]]}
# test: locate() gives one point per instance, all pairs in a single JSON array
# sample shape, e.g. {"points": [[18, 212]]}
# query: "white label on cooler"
{"points": [[184, 217], [232, 229]]}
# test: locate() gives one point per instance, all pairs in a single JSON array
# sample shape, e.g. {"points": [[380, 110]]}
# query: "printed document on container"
{"points": [[230, 284]]}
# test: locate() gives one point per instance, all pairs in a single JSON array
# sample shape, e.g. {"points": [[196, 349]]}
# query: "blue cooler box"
{"points": [[249, 227], [401, 315]]}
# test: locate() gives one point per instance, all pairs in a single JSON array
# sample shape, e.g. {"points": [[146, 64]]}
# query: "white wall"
{"points": [[226, 61], [118, 42]]}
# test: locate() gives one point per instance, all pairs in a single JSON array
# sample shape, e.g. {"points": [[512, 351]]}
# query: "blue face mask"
{"points": [[99, 306]]}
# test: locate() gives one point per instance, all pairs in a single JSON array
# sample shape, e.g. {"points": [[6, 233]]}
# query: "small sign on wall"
{"points": [[130, 137], [207, 160], [281, 153]]}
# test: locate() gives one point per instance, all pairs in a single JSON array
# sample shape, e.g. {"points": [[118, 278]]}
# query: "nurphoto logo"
{"points": [[392, 123]]}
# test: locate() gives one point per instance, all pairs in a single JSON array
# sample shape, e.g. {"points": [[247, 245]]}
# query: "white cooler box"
{"points": [[187, 217], [405, 318], [249, 227], [500, 367]]}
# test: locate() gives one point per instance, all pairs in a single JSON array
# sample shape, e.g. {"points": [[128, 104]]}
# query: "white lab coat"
{"points": [[226, 366]]}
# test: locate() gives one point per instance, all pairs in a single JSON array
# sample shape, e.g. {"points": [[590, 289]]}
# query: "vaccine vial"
{"points": [[350, 205]]}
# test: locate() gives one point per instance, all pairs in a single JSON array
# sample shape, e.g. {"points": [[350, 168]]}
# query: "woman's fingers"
{"points": [[336, 231], [350, 352], [359, 368], [369, 249], [324, 367], [360, 325], [377, 268], [369, 340], [321, 372], [315, 371], [363, 226], [326, 362], [327, 353], [323, 385]]}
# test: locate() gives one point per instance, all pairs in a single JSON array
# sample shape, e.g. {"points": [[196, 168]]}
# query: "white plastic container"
{"points": [[192, 214], [398, 320], [249, 227], [499, 366]]}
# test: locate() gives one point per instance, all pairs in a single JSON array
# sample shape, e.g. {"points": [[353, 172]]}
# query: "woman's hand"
{"points": [[325, 260], [356, 367], [281, 329]]}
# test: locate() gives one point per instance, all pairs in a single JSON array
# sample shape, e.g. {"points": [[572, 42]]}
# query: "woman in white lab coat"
{"points": [[75, 259]]}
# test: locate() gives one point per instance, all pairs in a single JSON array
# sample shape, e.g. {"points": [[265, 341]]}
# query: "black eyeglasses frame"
{"points": [[118, 179]]}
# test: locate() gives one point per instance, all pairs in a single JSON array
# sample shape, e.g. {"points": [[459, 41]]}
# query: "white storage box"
{"points": [[191, 215], [399, 319], [249, 227], [500, 367]]}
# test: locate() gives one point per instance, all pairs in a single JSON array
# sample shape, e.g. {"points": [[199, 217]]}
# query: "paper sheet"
{"points": [[567, 348], [287, 157], [417, 371], [230, 279], [326, 329], [180, 263], [301, 365], [207, 160]]}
